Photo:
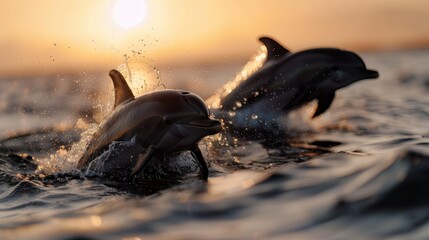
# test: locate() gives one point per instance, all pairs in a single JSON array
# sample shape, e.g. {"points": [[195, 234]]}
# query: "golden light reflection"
{"points": [[129, 13], [95, 220], [232, 184]]}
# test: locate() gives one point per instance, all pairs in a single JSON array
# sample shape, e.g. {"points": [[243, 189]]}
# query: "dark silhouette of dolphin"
{"points": [[164, 121], [287, 81]]}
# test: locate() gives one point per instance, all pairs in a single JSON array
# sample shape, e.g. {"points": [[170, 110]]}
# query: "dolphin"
{"points": [[159, 122], [287, 81]]}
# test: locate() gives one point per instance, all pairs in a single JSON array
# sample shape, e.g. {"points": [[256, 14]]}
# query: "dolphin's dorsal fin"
{"points": [[122, 90], [274, 49]]}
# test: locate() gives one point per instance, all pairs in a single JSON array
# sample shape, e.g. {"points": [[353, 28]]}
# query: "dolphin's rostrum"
{"points": [[160, 122]]}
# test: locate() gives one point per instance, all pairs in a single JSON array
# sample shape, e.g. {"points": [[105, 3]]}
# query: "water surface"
{"points": [[361, 173]]}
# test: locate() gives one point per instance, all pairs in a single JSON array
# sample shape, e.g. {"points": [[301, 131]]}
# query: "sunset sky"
{"points": [[43, 36]]}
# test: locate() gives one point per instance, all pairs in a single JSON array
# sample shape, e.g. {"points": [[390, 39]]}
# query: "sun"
{"points": [[129, 13]]}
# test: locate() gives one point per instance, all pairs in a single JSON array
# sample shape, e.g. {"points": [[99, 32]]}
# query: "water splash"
{"points": [[251, 67], [65, 160], [142, 77]]}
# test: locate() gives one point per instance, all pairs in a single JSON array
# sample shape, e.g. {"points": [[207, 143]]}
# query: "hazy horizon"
{"points": [[46, 37]]}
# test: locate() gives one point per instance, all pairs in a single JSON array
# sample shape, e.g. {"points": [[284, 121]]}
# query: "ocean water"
{"points": [[362, 172]]}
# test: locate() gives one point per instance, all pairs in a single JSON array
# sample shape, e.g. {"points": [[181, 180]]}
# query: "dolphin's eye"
{"points": [[166, 120]]}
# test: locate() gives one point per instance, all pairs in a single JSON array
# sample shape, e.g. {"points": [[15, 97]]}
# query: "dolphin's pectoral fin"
{"points": [[323, 103], [199, 156], [123, 92], [274, 49], [143, 160]]}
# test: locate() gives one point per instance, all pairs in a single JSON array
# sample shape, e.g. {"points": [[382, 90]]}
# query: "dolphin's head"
{"points": [[185, 118], [343, 69]]}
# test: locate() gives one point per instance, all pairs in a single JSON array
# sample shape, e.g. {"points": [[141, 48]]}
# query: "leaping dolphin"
{"points": [[173, 121], [287, 81], [166, 121]]}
